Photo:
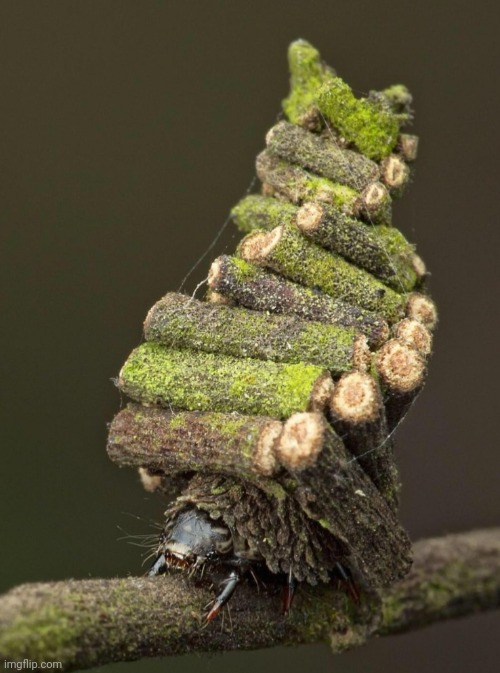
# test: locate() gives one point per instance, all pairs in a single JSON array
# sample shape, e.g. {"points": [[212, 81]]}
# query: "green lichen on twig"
{"points": [[170, 443], [260, 290], [307, 75], [88, 623], [203, 381], [298, 184], [262, 212], [369, 124], [321, 155], [286, 251], [381, 250], [179, 321], [372, 124]]}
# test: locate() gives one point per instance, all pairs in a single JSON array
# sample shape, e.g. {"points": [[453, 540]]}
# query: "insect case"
{"points": [[269, 408]]}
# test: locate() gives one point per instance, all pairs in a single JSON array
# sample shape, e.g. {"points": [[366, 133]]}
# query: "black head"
{"points": [[192, 538]]}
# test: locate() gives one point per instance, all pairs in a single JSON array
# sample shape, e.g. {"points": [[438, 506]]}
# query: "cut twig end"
{"points": [[418, 266], [264, 458], [414, 334], [422, 308], [408, 146], [400, 367], [361, 353], [309, 216], [395, 172], [151, 482], [258, 245], [217, 298], [356, 399], [374, 194], [321, 393], [301, 440]]}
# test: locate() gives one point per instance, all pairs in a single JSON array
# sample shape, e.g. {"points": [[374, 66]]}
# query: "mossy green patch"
{"points": [[322, 189], [243, 270], [42, 635], [305, 262], [178, 422], [366, 122], [182, 322], [399, 99], [437, 592], [208, 382], [307, 75], [262, 212]]}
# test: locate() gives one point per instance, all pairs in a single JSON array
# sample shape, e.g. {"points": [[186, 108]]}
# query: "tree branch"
{"points": [[86, 623]]}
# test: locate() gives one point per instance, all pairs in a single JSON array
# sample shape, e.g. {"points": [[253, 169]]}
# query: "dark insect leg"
{"points": [[230, 584], [159, 566], [289, 592], [351, 587]]}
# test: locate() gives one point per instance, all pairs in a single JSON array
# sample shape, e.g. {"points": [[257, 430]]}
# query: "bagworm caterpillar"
{"points": [[271, 405]]}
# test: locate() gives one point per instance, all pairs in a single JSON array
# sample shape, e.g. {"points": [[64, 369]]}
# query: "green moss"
{"points": [[207, 382], [262, 212], [181, 322], [307, 75], [244, 271], [367, 123], [381, 250], [43, 635], [309, 264], [435, 593], [372, 124], [316, 188], [177, 422], [324, 523], [224, 424], [400, 99], [273, 489]]}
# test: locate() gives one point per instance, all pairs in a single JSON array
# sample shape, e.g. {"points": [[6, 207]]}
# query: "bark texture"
{"points": [[87, 623]]}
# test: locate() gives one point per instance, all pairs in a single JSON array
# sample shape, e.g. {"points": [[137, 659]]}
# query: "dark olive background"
{"points": [[128, 130]]}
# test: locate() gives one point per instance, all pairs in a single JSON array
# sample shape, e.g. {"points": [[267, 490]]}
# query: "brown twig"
{"points": [[86, 623], [260, 290]]}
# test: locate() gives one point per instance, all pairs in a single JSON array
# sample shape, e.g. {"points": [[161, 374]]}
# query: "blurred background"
{"points": [[128, 130]]}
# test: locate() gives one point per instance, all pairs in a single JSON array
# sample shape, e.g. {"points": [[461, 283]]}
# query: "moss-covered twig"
{"points": [[183, 379], [402, 371], [381, 250], [298, 185], [182, 322], [87, 623], [170, 442], [287, 251], [368, 123], [256, 211], [334, 490], [358, 416], [261, 290], [321, 155]]}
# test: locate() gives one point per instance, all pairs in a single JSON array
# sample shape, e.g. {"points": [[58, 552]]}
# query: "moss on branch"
{"points": [[86, 623]]}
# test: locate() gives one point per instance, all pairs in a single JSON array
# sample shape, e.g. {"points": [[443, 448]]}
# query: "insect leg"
{"points": [[230, 584], [289, 592], [345, 577], [159, 566]]}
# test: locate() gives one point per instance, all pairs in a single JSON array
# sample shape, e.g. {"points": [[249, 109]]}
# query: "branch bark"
{"points": [[86, 623]]}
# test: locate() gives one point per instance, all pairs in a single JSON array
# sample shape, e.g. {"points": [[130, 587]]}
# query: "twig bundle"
{"points": [[280, 391]]}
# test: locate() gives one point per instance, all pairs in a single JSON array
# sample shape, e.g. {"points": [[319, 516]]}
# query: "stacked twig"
{"points": [[281, 391]]}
